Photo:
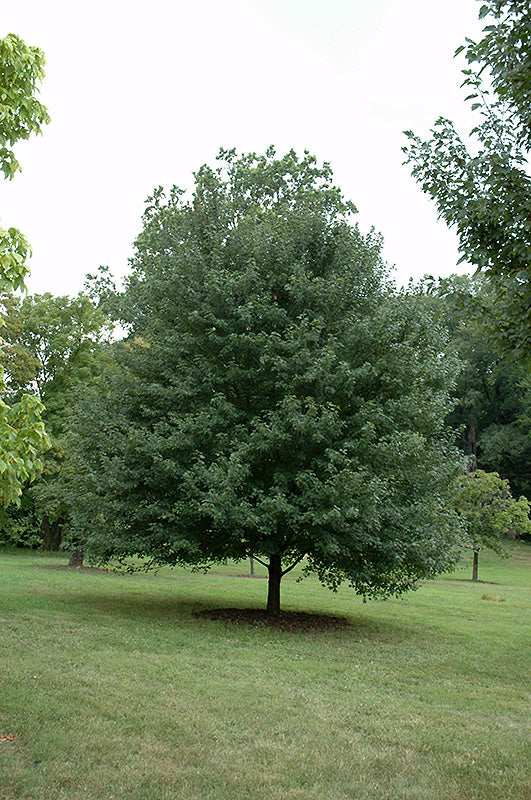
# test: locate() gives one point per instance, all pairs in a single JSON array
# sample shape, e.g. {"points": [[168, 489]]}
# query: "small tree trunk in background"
{"points": [[226, 562], [273, 586], [251, 561], [46, 535], [76, 559], [475, 565], [52, 533], [472, 444]]}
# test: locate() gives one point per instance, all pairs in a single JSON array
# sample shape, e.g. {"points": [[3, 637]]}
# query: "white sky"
{"points": [[143, 93]]}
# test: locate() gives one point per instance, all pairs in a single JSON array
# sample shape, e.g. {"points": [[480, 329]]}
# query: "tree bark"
{"points": [[52, 533], [472, 444], [273, 586], [251, 562], [76, 559], [475, 565]]}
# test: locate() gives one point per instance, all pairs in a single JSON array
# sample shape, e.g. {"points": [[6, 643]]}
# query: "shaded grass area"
{"points": [[112, 688]]}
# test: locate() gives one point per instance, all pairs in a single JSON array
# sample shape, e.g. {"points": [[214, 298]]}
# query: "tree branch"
{"points": [[260, 561], [291, 566]]}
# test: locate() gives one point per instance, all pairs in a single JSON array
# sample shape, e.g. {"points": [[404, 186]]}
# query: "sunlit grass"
{"points": [[113, 689]]}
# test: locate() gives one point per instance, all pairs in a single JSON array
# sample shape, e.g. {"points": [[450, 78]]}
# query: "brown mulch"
{"points": [[286, 620]]}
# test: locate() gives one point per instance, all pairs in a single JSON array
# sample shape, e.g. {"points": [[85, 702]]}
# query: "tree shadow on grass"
{"points": [[134, 606], [285, 621], [199, 609], [469, 580], [138, 607]]}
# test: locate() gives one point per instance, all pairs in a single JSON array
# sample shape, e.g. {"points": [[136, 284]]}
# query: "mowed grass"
{"points": [[113, 690]]}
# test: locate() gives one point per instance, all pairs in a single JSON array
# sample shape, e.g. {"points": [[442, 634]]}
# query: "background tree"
{"points": [[493, 399], [484, 502], [52, 347], [484, 189], [274, 398], [22, 434]]}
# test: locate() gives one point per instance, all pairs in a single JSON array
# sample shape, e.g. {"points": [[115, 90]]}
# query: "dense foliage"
{"points": [[492, 414], [274, 397]]}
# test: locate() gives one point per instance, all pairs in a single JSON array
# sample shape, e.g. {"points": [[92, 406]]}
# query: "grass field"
{"points": [[113, 690]]}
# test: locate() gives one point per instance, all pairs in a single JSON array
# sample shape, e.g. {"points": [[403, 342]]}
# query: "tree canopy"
{"points": [[483, 187], [274, 397], [51, 346]]}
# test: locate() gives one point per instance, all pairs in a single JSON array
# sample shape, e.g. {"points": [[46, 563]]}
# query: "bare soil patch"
{"points": [[286, 620]]}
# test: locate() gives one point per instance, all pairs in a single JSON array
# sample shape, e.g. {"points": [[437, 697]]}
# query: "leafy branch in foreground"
{"points": [[22, 433], [483, 188]]}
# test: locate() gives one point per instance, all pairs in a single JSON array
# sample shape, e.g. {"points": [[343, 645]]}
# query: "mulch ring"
{"points": [[286, 620]]}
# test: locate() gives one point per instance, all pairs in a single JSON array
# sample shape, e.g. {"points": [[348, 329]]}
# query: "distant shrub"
{"points": [[20, 527]]}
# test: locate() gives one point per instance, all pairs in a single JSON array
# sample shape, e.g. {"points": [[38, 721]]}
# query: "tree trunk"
{"points": [[273, 587], [475, 565], [472, 444], [251, 562], [52, 533], [76, 559]]}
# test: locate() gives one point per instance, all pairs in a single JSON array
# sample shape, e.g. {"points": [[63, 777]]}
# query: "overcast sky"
{"points": [[142, 93]]}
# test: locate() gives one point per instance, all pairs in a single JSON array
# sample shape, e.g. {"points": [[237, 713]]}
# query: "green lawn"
{"points": [[112, 690]]}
